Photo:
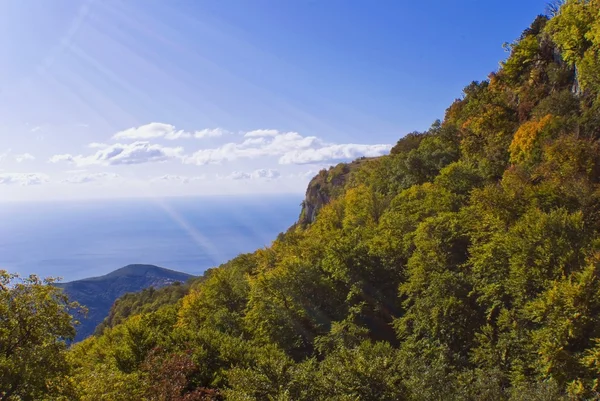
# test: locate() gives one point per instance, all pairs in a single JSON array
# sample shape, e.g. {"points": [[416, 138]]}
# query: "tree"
{"points": [[576, 30], [553, 7], [370, 371], [36, 322], [168, 377]]}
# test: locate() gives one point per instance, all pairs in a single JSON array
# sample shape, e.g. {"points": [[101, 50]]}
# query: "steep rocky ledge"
{"points": [[325, 186]]}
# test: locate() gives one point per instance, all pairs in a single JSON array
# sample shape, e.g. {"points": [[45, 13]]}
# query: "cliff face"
{"points": [[318, 194], [324, 187]]}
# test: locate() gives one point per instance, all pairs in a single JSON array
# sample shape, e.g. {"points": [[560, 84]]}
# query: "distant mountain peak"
{"points": [[99, 293], [142, 270]]}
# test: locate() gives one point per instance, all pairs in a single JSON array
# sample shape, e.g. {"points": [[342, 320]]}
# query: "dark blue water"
{"points": [[75, 240]]}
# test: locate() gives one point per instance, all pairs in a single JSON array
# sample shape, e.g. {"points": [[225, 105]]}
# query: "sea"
{"points": [[79, 239]]}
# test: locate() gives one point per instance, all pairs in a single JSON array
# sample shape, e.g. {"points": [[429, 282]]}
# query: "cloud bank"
{"points": [[92, 177], [289, 147], [166, 131], [178, 178], [265, 174], [23, 179], [24, 157], [123, 154]]}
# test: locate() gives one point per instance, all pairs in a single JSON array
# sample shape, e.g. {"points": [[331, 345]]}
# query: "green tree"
{"points": [[36, 322]]}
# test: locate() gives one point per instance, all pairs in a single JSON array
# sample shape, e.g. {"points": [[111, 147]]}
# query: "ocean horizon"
{"points": [[79, 239]]}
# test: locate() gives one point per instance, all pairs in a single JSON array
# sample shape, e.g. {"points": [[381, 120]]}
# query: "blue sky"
{"points": [[190, 97]]}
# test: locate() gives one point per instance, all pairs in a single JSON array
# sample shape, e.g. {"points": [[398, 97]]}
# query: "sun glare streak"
{"points": [[67, 39], [199, 238]]}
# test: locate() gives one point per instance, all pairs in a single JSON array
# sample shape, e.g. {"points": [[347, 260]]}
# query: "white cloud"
{"points": [[253, 142], [123, 154], [177, 135], [253, 147], [260, 174], [148, 131], [23, 179], [261, 133], [178, 178], [289, 147], [209, 133], [5, 154], [265, 173], [62, 158], [282, 147], [92, 177], [166, 131], [238, 175], [24, 157], [35, 129], [333, 152], [307, 175]]}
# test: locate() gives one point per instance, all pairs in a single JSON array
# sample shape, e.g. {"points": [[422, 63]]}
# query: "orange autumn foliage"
{"points": [[526, 138]]}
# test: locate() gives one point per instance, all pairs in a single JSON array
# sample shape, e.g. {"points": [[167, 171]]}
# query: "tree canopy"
{"points": [[36, 322]]}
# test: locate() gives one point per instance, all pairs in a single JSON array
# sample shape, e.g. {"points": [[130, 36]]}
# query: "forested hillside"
{"points": [[465, 265]]}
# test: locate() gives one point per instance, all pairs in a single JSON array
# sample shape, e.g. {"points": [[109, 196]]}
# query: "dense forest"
{"points": [[465, 265]]}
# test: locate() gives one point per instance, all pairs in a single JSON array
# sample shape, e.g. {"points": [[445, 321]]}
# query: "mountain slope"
{"points": [[148, 300], [99, 293], [465, 265]]}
